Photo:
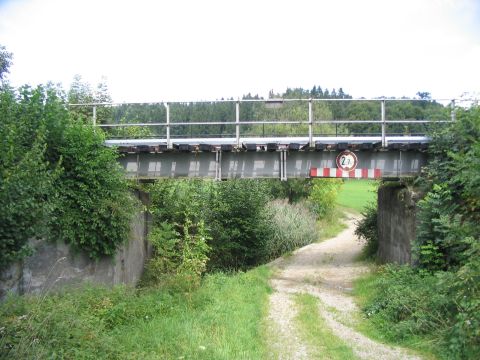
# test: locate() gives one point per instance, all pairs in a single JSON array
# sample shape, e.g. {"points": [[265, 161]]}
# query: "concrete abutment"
{"points": [[54, 264], [397, 222]]}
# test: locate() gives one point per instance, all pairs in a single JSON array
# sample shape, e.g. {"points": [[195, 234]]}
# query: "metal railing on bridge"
{"points": [[300, 118]]}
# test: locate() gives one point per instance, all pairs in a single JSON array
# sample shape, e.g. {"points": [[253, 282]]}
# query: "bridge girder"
{"points": [[281, 164]]}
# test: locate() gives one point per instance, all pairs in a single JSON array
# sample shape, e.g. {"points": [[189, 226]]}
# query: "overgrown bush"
{"points": [[94, 205], [293, 226], [367, 230], [243, 226], [450, 212], [26, 178], [238, 222], [233, 213], [180, 255], [323, 195], [57, 179], [293, 189], [407, 302], [440, 298]]}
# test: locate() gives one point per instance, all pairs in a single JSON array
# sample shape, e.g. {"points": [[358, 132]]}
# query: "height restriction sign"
{"points": [[347, 161]]}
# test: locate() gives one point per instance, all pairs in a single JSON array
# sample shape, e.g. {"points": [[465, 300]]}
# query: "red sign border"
{"points": [[349, 153]]}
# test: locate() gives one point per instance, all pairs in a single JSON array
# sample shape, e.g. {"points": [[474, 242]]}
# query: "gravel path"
{"points": [[325, 270]]}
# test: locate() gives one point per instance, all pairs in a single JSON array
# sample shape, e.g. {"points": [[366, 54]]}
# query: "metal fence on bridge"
{"points": [[299, 119], [252, 137]]}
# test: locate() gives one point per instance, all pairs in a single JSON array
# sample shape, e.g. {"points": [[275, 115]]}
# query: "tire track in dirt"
{"points": [[325, 270]]}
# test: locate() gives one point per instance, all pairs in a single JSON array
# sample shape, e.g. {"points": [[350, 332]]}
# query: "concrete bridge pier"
{"points": [[397, 208]]}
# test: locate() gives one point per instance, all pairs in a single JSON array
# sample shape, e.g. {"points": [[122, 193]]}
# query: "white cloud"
{"points": [[154, 50]]}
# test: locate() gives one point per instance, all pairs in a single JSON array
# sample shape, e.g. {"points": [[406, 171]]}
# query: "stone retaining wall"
{"points": [[54, 265]]}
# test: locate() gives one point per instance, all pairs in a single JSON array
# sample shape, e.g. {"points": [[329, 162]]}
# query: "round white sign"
{"points": [[347, 161]]}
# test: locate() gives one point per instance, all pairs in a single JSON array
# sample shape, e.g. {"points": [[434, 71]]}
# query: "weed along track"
{"points": [[311, 313]]}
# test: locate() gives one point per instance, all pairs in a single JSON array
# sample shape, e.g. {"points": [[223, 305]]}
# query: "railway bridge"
{"points": [[179, 145]]}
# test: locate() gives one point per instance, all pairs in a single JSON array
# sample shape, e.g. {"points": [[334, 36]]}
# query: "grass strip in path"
{"points": [[331, 225], [313, 329]]}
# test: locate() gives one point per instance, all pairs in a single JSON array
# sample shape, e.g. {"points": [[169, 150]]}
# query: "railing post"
{"points": [[237, 125], [452, 111], [94, 116], [384, 125], [169, 143], [310, 123]]}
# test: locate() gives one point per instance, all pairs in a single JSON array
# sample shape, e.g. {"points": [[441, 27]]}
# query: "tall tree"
{"points": [[102, 95], [80, 92], [319, 92], [5, 62]]}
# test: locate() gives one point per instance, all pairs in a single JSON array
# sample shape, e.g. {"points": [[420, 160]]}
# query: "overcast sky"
{"points": [[192, 50]]}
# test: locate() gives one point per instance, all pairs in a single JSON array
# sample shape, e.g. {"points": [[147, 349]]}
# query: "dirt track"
{"points": [[325, 270]]}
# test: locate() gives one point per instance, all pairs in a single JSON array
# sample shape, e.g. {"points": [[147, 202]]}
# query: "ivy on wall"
{"points": [[57, 179]]}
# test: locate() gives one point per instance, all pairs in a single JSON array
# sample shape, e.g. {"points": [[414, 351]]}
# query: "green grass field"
{"points": [[223, 319], [356, 193]]}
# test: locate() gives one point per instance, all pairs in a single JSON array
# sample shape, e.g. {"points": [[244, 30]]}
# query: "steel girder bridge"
{"points": [[382, 155]]}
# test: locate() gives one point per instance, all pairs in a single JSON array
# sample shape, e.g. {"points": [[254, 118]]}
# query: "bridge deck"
{"points": [[266, 140], [281, 158]]}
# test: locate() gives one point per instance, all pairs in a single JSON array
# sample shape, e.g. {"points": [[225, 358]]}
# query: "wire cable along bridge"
{"points": [[274, 138]]}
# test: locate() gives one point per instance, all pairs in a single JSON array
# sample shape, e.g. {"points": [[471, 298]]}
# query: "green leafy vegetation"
{"points": [[93, 206], [293, 226], [323, 195], [222, 319], [5, 62], [367, 230], [437, 301], [323, 343], [378, 326], [179, 259], [57, 179], [242, 224]]}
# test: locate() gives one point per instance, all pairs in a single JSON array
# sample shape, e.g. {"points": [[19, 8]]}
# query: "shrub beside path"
{"points": [[325, 270]]}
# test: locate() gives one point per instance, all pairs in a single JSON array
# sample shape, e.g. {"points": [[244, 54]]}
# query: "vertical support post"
{"points": [[384, 125], [94, 116], [452, 110], [237, 121], [218, 165], [400, 164], [310, 123], [137, 174], [281, 165], [169, 143]]}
